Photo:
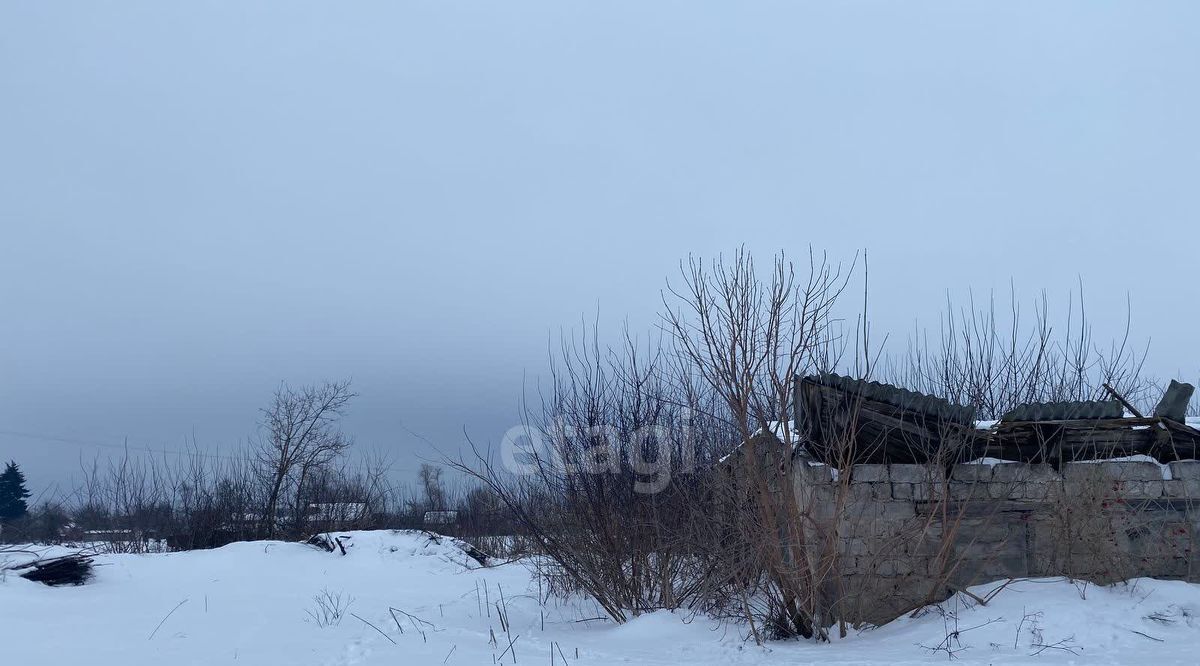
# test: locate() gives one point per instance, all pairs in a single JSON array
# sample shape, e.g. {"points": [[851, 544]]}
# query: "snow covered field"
{"points": [[250, 602]]}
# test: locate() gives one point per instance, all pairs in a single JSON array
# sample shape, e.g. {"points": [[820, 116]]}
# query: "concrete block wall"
{"points": [[913, 532]]}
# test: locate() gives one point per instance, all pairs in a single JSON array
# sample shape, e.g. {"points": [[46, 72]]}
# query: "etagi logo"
{"points": [[649, 451]]}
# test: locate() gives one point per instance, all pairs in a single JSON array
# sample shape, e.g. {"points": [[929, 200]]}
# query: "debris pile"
{"points": [[75, 569]]}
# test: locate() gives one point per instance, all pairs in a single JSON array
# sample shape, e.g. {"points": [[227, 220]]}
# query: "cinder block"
{"points": [[865, 493], [882, 491], [1044, 473], [896, 511], [911, 474], [1087, 479], [974, 571], [1132, 471], [1010, 473], [1188, 474], [1185, 469], [869, 473], [1081, 471], [1142, 489], [1003, 491], [825, 494], [971, 473], [811, 474], [1165, 567], [1041, 491], [922, 492], [855, 546], [981, 550], [894, 567], [968, 490]]}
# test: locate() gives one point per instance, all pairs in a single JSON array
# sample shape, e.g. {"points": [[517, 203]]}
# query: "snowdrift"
{"points": [[406, 598]]}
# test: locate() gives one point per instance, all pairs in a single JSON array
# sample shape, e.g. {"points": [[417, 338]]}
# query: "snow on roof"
{"points": [[775, 428]]}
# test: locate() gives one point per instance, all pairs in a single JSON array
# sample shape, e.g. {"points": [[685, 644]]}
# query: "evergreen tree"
{"points": [[13, 493]]}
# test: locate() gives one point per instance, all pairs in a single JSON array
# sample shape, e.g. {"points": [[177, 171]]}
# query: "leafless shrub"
{"points": [[952, 644], [746, 337], [583, 501], [995, 362], [142, 503], [329, 608]]}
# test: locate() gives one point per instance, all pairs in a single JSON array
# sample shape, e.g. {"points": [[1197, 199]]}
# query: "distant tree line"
{"points": [[298, 477]]}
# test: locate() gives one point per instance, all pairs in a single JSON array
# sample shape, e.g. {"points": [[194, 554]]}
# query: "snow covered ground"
{"points": [[249, 603]]}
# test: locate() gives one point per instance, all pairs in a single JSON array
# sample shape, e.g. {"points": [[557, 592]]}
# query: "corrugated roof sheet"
{"points": [[897, 397], [1065, 411]]}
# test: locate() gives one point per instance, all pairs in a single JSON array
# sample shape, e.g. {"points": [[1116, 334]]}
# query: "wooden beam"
{"points": [[1124, 403]]}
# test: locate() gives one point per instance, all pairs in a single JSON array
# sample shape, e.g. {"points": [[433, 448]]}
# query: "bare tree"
{"points": [[301, 436], [430, 477]]}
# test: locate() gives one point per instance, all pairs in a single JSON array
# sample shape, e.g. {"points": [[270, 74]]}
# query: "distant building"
{"points": [[440, 518], [329, 516]]}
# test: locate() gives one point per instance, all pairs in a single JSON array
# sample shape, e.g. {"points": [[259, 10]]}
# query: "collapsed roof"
{"points": [[847, 421]]}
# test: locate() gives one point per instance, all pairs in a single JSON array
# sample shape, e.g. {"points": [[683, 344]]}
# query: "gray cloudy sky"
{"points": [[200, 199]]}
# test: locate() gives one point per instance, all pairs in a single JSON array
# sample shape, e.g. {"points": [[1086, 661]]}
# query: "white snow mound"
{"points": [[405, 598]]}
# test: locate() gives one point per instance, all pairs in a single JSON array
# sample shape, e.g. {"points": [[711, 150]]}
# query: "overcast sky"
{"points": [[200, 201]]}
